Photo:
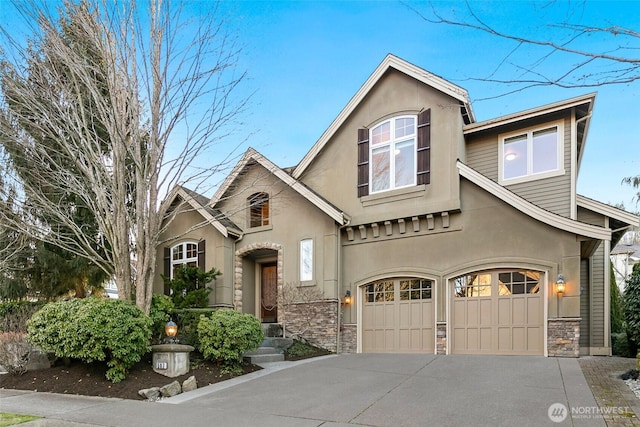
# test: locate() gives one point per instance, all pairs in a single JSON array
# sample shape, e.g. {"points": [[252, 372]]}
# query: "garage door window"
{"points": [[415, 289], [518, 282], [379, 291], [473, 285]]}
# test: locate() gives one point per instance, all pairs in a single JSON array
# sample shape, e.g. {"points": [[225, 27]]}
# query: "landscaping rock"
{"points": [[189, 384], [171, 389], [152, 393]]}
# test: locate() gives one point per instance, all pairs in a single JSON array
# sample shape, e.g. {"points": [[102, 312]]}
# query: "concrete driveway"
{"points": [[362, 389]]}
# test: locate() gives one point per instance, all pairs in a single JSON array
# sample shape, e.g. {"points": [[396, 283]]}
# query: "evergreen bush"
{"points": [[189, 286], [631, 305], [226, 335], [91, 330]]}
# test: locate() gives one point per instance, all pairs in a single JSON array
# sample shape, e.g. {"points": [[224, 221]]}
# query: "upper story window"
{"points": [[393, 154], [258, 210], [532, 154], [183, 254]]}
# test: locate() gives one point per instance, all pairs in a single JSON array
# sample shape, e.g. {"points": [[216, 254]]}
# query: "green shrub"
{"points": [[621, 346], [187, 320], [91, 330], [189, 286], [226, 335], [15, 314], [615, 303], [631, 305], [160, 313]]}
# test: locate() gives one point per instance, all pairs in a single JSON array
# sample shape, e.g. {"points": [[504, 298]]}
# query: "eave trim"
{"points": [[532, 210]]}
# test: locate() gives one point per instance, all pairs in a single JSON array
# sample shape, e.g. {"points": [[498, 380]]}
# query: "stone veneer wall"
{"points": [[349, 338], [563, 337], [441, 338], [318, 320]]}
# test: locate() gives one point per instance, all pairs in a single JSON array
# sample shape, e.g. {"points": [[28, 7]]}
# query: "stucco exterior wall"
{"points": [[333, 172], [292, 219], [217, 254], [486, 234]]}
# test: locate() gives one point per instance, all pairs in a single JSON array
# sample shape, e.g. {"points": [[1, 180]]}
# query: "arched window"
{"points": [[258, 210], [183, 253]]}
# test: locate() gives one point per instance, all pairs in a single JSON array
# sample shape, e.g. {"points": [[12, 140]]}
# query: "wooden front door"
{"points": [[269, 292]]}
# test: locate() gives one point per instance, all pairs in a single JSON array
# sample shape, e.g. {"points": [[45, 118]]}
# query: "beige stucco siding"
{"points": [[292, 219], [487, 234], [333, 172], [217, 254], [585, 318], [552, 194]]}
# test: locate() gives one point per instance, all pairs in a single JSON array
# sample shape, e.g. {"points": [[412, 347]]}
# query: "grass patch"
{"points": [[7, 419]]}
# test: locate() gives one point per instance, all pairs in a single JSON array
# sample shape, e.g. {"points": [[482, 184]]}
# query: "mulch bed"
{"points": [[90, 380]]}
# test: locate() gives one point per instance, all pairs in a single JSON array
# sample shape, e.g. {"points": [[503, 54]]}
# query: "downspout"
{"points": [[607, 291], [339, 281]]}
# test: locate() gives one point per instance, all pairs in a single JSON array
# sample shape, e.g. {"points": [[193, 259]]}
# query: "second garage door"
{"points": [[498, 312], [398, 316]]}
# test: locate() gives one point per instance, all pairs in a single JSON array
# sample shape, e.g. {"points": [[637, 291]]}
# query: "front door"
{"points": [[269, 292]]}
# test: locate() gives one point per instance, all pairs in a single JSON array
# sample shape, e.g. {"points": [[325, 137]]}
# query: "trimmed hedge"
{"points": [[93, 329], [226, 335]]}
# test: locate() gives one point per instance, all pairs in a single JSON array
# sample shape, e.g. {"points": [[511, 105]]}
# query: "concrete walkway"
{"points": [[362, 389]]}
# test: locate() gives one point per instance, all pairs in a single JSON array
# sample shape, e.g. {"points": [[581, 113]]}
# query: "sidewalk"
{"points": [[602, 374]]}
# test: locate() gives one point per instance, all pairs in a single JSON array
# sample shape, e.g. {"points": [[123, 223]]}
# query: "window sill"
{"points": [[393, 195], [258, 229], [529, 178]]}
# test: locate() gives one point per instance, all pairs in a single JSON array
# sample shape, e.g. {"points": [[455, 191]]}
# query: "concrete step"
{"points": [[263, 350], [264, 358]]}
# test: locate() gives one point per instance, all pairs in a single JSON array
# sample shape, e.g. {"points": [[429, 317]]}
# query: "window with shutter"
{"points": [[187, 253], [363, 162], [424, 148]]}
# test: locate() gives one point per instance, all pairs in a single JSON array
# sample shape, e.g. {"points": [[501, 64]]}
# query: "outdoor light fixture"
{"points": [[171, 329], [347, 297], [560, 284]]}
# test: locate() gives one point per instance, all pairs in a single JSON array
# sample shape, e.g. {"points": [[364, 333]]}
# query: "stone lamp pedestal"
{"points": [[171, 360]]}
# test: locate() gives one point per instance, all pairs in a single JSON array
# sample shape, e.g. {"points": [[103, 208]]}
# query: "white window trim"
{"points": [[559, 124], [303, 277], [184, 260], [390, 143]]}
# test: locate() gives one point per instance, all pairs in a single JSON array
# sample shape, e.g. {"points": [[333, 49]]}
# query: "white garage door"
{"points": [[498, 312], [398, 316]]}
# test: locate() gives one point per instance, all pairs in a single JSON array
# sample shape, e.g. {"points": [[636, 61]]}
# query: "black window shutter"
{"points": [[424, 147], [201, 253], [363, 162], [167, 268]]}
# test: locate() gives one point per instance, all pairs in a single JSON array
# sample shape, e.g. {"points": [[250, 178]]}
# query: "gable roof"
{"points": [[313, 197], [200, 204], [608, 210], [389, 62], [531, 210]]}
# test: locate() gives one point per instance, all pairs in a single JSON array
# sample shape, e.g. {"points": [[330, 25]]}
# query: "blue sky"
{"points": [[305, 60]]}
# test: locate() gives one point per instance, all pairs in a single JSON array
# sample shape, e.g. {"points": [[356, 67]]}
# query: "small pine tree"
{"points": [[189, 286], [631, 306]]}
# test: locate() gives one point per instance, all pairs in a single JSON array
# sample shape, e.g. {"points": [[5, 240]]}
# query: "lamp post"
{"points": [[171, 329]]}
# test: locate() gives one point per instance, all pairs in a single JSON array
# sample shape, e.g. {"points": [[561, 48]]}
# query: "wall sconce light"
{"points": [[171, 329], [560, 284], [347, 297]]}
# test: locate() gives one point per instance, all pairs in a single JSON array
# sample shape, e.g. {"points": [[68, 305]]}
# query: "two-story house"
{"points": [[446, 234]]}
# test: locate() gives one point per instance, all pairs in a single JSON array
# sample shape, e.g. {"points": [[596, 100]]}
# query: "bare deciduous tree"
{"points": [[594, 55], [130, 119]]}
